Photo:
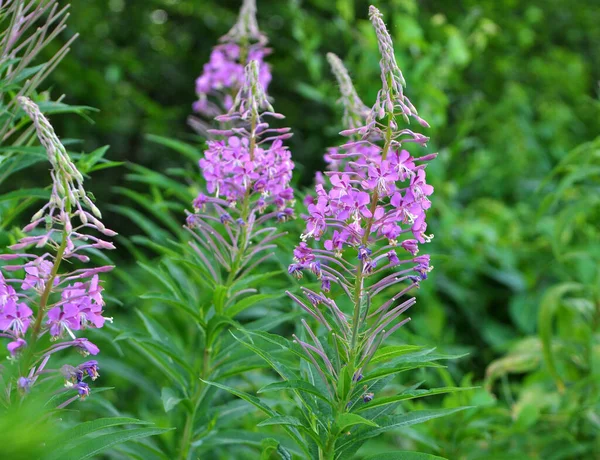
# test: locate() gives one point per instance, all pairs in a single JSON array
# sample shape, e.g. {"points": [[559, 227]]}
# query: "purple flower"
{"points": [[423, 266], [71, 226], [231, 170], [63, 319], [374, 198], [95, 290], [7, 293], [402, 163], [364, 252], [337, 241], [15, 317], [200, 201], [303, 254], [86, 347], [223, 76], [296, 270], [315, 224], [16, 346], [24, 384], [83, 389], [411, 246], [36, 274], [90, 368]]}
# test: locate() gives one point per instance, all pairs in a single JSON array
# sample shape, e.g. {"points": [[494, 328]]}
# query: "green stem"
{"points": [[242, 247], [355, 346], [37, 326], [188, 429], [359, 281], [329, 452]]}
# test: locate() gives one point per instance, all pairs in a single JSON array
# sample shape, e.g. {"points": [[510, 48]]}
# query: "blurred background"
{"points": [[511, 91]]}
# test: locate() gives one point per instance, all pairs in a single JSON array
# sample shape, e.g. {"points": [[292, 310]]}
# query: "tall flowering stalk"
{"points": [[247, 169], [372, 209], [45, 296], [223, 76], [363, 232], [247, 176]]}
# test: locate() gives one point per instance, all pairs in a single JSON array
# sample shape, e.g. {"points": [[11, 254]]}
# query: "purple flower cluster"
{"points": [[223, 76], [250, 169], [230, 171], [376, 200], [48, 300], [368, 216]]}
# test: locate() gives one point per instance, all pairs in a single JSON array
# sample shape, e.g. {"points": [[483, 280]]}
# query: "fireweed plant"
{"points": [[234, 225], [363, 232], [45, 301]]}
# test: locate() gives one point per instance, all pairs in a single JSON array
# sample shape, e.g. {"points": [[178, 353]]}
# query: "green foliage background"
{"points": [[511, 90]]}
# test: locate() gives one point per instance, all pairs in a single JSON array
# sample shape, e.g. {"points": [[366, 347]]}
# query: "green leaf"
{"points": [[254, 280], [396, 370], [348, 419], [219, 297], [391, 352], [162, 363], [266, 354], [215, 325], [183, 305], [281, 420], [344, 383], [411, 394], [404, 455], [26, 193], [245, 396], [548, 308], [186, 150], [268, 446], [248, 302], [395, 421], [284, 454], [262, 407], [82, 429], [136, 217], [88, 448], [298, 385], [239, 437], [169, 398]]}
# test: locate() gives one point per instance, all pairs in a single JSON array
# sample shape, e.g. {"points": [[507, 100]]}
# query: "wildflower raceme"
{"points": [[372, 211], [247, 175], [223, 76], [42, 293], [364, 228], [247, 169]]}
